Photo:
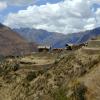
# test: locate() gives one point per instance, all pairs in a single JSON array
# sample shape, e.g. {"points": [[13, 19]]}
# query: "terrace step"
{"points": [[94, 43], [91, 50]]}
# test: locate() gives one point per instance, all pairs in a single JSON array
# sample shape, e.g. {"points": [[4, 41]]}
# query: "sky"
{"points": [[63, 16]]}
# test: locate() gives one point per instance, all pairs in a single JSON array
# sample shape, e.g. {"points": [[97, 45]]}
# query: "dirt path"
{"points": [[39, 59]]}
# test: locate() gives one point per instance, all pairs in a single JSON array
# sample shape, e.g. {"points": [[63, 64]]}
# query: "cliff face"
{"points": [[12, 44]]}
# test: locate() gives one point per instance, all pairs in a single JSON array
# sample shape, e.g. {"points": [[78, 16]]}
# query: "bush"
{"points": [[79, 91], [15, 67], [60, 94], [31, 75]]}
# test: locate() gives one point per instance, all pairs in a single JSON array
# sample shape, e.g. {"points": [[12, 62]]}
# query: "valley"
{"points": [[32, 72], [49, 49]]}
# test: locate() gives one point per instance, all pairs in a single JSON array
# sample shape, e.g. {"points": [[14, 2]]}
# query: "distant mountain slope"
{"points": [[12, 43], [56, 39], [44, 37], [89, 34]]}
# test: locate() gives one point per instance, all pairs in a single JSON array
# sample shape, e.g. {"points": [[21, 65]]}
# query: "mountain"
{"points": [[56, 39], [89, 34], [49, 38], [12, 43]]}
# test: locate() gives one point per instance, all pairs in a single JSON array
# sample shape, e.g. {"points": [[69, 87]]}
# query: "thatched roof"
{"points": [[44, 47]]}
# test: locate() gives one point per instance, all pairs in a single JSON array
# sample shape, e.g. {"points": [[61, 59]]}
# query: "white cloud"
{"points": [[3, 5], [64, 17], [98, 17], [96, 1]]}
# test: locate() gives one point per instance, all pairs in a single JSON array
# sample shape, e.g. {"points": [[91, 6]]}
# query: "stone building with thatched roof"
{"points": [[44, 48], [74, 46]]}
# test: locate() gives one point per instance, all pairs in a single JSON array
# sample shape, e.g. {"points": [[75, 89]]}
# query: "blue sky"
{"points": [[40, 2], [9, 9], [64, 16]]}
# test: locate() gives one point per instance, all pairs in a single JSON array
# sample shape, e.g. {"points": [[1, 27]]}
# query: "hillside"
{"points": [[71, 75], [89, 34], [12, 44], [56, 39]]}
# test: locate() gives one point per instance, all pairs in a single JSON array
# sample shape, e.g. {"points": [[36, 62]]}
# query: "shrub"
{"points": [[31, 75], [60, 94], [15, 67], [79, 90]]}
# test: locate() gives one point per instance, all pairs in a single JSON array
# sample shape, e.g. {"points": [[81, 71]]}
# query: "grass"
{"points": [[60, 94], [79, 90]]}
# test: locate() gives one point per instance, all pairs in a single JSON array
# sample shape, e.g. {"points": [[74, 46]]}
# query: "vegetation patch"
{"points": [[31, 75], [60, 94]]}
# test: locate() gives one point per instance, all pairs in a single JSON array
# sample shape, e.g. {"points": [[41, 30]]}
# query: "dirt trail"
{"points": [[39, 59]]}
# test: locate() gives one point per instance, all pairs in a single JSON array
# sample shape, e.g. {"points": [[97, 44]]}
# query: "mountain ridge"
{"points": [[57, 40], [44, 37]]}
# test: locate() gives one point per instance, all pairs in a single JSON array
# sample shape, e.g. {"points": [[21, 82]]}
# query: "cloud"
{"points": [[96, 1], [98, 16], [67, 16], [19, 2], [3, 5]]}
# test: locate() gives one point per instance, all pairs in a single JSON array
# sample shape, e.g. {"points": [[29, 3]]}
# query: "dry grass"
{"points": [[55, 83]]}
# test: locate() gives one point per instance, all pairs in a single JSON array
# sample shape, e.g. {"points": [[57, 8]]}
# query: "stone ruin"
{"points": [[93, 46]]}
